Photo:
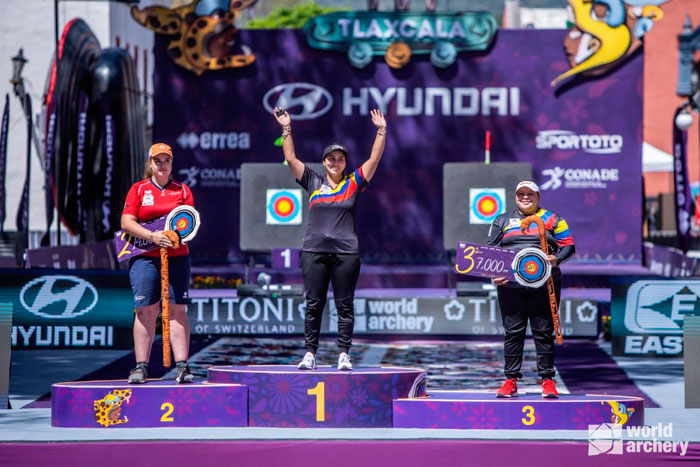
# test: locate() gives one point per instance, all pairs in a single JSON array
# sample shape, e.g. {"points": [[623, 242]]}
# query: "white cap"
{"points": [[528, 184]]}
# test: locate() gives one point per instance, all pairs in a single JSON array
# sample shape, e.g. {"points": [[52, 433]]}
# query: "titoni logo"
{"points": [[58, 297], [454, 311], [303, 101]]}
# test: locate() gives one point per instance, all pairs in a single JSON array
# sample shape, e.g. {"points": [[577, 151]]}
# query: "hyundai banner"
{"points": [[69, 309], [583, 139], [465, 316], [647, 315]]}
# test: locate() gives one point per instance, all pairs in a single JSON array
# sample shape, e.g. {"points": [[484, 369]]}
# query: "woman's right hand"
{"points": [[500, 281], [282, 117], [161, 240]]}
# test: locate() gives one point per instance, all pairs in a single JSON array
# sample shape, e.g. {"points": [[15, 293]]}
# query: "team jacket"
{"points": [[505, 232]]}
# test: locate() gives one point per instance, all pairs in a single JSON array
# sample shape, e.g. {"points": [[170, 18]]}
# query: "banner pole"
{"points": [[487, 155]]}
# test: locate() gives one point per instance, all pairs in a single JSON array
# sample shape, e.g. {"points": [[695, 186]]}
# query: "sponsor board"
{"points": [[214, 140], [594, 178], [607, 439], [647, 316], [211, 177], [68, 309], [416, 316], [565, 140], [315, 101]]}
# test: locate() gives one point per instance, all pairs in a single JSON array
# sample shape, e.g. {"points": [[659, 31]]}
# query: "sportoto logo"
{"points": [[58, 297], [566, 140], [303, 101]]}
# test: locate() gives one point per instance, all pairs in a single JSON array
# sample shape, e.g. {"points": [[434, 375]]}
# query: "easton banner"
{"points": [[647, 315], [467, 316], [583, 138]]}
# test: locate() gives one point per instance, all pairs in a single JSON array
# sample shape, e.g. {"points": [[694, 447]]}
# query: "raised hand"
{"points": [[378, 119], [282, 117]]}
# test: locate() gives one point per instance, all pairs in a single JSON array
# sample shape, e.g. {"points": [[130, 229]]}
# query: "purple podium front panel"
{"points": [[283, 396], [158, 403], [481, 410]]}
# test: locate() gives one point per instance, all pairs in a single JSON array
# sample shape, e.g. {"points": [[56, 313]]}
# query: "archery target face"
{"points": [[185, 221], [531, 267], [485, 204], [283, 207]]}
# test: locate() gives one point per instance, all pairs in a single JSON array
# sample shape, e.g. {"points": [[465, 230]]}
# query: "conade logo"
{"points": [[78, 295], [303, 101]]}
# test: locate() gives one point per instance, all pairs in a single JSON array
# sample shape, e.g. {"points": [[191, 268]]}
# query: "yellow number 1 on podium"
{"points": [[319, 392]]}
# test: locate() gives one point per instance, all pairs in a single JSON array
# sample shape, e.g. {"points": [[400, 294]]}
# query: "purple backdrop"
{"points": [[219, 120]]}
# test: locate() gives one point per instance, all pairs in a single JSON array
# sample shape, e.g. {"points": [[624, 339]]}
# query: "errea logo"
{"points": [[58, 297], [214, 140]]}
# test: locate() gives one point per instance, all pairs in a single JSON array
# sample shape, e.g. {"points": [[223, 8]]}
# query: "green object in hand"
{"points": [[279, 141]]}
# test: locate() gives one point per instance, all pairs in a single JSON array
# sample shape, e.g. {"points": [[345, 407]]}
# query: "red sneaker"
{"points": [[549, 390], [509, 389]]}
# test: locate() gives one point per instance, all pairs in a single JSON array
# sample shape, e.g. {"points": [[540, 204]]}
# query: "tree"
{"points": [[289, 17]]}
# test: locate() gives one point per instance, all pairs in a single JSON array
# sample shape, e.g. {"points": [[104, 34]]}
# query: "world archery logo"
{"points": [[485, 204], [283, 207]]}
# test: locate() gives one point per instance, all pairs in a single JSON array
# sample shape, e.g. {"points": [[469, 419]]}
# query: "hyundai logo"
{"points": [[78, 296], [303, 101]]}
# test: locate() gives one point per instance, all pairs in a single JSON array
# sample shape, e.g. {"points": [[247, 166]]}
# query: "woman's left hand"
{"points": [[552, 259], [378, 119]]}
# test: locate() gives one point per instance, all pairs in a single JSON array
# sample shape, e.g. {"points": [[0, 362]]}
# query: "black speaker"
{"points": [[474, 194], [274, 207]]}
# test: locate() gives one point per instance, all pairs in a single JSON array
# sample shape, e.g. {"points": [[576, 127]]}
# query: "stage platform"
{"points": [[333, 446], [438, 276]]}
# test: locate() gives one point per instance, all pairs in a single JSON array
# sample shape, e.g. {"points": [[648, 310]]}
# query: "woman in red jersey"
{"points": [[149, 199]]}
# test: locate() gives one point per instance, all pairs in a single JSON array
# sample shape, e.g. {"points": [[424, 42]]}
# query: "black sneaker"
{"points": [[184, 375], [138, 375]]}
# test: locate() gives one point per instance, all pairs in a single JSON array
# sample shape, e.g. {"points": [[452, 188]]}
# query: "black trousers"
{"points": [[320, 270], [518, 305]]}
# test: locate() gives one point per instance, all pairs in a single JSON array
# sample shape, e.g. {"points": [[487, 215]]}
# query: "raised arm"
{"points": [[370, 166], [285, 121]]}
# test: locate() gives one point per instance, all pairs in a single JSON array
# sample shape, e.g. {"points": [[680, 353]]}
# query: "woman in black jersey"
{"points": [[330, 251], [519, 304]]}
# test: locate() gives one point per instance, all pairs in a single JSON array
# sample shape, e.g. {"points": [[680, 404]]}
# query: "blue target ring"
{"points": [[287, 197], [185, 221], [487, 206], [182, 223], [531, 267]]}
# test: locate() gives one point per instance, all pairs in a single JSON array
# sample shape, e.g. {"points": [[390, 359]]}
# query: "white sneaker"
{"points": [[308, 362], [344, 362]]}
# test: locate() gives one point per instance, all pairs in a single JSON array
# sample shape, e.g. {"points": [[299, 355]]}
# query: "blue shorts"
{"points": [[144, 275]]}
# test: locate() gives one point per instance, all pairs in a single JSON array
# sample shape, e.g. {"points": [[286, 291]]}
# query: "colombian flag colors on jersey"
{"points": [[342, 192]]}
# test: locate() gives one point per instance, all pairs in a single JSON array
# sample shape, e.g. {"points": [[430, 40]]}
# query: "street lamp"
{"points": [[18, 62], [684, 120]]}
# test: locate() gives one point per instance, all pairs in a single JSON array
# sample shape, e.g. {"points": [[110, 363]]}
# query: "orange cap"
{"points": [[160, 148]]}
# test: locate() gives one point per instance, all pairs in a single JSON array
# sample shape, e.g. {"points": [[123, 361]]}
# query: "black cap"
{"points": [[335, 147]]}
